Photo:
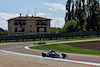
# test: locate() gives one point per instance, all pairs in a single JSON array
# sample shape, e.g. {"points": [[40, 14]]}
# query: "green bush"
{"points": [[71, 26]]}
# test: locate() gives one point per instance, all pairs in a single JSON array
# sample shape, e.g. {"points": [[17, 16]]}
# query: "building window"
{"points": [[41, 29], [30, 31], [30, 25], [45, 29], [24, 23], [41, 22], [17, 29], [19, 23], [16, 23], [37, 29]]}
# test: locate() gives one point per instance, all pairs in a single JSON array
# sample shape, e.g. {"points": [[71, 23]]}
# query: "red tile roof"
{"points": [[29, 18]]}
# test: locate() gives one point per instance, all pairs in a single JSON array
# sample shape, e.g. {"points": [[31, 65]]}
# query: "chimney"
{"points": [[32, 15], [20, 16]]}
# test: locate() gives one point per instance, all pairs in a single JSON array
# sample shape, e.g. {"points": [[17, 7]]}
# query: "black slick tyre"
{"points": [[43, 54]]}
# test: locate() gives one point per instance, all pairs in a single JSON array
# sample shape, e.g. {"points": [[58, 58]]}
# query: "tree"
{"points": [[55, 30], [93, 20], [72, 11], [77, 13], [81, 13], [86, 14], [71, 26], [2, 31], [68, 13]]}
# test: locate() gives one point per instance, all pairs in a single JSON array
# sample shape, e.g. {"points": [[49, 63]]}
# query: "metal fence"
{"points": [[68, 35]]}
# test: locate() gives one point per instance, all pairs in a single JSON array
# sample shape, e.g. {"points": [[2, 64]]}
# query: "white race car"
{"points": [[53, 54]]}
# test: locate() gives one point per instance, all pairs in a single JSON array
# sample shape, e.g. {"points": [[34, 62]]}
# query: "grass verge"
{"points": [[67, 49]]}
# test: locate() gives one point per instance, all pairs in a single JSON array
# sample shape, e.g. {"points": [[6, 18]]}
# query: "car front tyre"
{"points": [[52, 55]]}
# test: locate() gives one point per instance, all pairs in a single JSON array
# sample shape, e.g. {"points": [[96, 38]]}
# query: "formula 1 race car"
{"points": [[54, 54], [40, 43]]}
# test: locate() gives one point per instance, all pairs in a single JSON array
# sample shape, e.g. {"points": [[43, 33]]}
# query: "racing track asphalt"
{"points": [[79, 57]]}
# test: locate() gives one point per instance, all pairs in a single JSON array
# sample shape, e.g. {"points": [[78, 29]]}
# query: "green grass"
{"points": [[67, 49]]}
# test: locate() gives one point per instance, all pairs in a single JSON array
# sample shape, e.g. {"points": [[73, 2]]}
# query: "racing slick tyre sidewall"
{"points": [[43, 54], [52, 55], [63, 55]]}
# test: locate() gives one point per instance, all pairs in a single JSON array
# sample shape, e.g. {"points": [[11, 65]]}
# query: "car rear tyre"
{"points": [[43, 54], [64, 55]]}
